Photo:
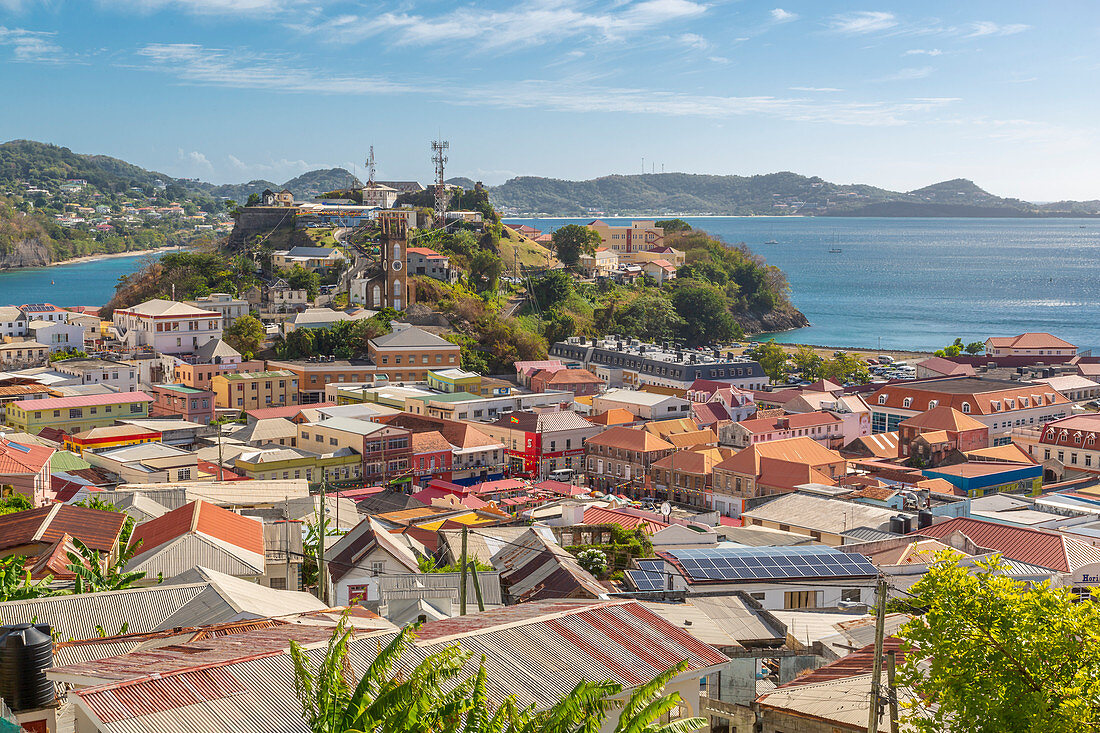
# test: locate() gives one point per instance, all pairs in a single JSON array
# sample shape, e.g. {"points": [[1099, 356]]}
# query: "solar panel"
{"points": [[646, 581], [772, 563]]}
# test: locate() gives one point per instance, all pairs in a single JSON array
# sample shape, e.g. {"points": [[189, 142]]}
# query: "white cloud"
{"points": [[779, 15], [718, 59], [195, 160], [693, 40], [864, 21], [204, 7], [923, 52], [909, 74], [31, 46], [218, 67], [984, 28], [515, 28]]}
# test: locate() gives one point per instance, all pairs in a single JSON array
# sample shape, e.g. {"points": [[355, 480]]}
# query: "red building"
{"points": [[177, 400], [431, 457], [578, 381], [935, 433], [537, 443]]}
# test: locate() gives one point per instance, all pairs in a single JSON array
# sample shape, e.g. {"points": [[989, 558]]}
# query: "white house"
{"points": [[646, 405], [167, 326], [365, 553], [13, 322], [116, 374], [58, 335]]}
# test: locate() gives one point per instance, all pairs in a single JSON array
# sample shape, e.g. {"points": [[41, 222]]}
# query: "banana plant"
{"points": [[95, 572]]}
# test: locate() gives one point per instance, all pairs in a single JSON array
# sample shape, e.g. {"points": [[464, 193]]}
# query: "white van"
{"points": [[564, 475]]}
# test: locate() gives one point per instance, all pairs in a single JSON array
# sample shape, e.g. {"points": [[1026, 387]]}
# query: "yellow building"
{"points": [[639, 236], [112, 436], [343, 464], [454, 380], [253, 390], [77, 414]]}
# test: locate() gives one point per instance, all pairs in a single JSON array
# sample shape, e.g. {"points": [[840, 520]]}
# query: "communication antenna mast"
{"points": [[439, 157], [370, 168]]}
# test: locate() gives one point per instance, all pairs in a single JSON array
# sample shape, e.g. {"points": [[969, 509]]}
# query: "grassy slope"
{"points": [[531, 254]]}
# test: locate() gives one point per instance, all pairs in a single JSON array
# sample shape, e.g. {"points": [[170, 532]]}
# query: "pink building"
{"points": [[26, 468], [178, 400]]}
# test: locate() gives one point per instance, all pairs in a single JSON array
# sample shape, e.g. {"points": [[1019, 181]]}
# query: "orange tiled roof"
{"points": [[630, 439], [203, 518], [943, 417]]}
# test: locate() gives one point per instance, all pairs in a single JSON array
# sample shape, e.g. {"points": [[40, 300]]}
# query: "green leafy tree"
{"points": [[72, 353], [552, 289], [649, 317], [573, 240], [246, 334], [974, 348], [990, 654], [808, 363], [299, 278], [844, 368], [706, 316], [16, 583], [15, 503], [253, 199], [558, 326], [485, 270], [95, 572], [672, 226], [772, 359]]}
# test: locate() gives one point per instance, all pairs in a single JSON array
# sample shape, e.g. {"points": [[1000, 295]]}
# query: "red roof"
{"points": [[1034, 546], [600, 515], [202, 518], [504, 484], [224, 475], [560, 487], [858, 662], [287, 412], [793, 422], [96, 528], [92, 400], [20, 459]]}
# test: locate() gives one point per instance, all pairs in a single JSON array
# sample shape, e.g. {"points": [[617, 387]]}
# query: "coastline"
{"points": [[116, 255]]}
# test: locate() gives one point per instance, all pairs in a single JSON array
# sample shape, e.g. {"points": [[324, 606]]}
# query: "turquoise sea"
{"points": [[81, 283], [919, 283]]}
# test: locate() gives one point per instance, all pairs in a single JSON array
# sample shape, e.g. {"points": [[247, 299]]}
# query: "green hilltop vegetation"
{"points": [[44, 165], [772, 194]]}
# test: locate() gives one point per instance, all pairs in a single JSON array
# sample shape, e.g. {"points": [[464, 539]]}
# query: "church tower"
{"points": [[394, 245]]}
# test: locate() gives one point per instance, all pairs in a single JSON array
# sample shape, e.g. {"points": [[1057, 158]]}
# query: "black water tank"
{"points": [[26, 652], [897, 525], [924, 519]]}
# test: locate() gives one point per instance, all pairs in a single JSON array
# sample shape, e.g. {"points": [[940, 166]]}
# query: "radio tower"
{"points": [[370, 168], [439, 157]]}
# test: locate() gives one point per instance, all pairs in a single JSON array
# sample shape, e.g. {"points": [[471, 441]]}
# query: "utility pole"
{"points": [[286, 538], [462, 577], [477, 585], [892, 681], [322, 521], [221, 470], [876, 673]]}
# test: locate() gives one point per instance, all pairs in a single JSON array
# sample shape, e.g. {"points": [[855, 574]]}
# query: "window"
{"points": [[795, 599], [278, 583], [966, 408], [882, 399], [757, 597], [183, 473], [850, 595], [907, 402]]}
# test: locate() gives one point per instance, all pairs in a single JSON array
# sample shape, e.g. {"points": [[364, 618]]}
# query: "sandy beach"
{"points": [[117, 255]]}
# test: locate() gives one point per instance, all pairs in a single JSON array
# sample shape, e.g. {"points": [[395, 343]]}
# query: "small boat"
{"points": [[835, 251], [772, 241]]}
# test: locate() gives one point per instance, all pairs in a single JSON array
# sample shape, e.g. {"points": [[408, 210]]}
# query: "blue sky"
{"points": [[899, 95]]}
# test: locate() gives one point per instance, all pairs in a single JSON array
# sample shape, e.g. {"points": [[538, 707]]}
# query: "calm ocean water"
{"points": [[82, 283], [919, 283]]}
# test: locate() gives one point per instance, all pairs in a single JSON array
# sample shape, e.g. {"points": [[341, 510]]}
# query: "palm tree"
{"points": [[95, 573], [425, 699]]}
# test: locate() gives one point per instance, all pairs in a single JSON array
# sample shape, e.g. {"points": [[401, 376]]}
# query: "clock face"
{"points": [[396, 265]]}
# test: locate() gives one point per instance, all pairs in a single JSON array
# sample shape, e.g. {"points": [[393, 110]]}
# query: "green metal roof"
{"points": [[64, 460]]}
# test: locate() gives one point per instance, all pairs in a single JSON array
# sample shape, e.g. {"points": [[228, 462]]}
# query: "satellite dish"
{"points": [[666, 509]]}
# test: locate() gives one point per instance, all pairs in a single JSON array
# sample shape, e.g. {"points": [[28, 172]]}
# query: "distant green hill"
{"points": [[771, 194]]}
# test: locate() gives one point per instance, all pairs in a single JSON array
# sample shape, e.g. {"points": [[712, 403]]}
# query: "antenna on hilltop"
{"points": [[439, 157], [370, 168]]}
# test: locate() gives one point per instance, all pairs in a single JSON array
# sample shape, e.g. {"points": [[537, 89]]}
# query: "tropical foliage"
{"points": [[246, 334], [96, 572], [16, 583], [989, 653], [433, 695]]}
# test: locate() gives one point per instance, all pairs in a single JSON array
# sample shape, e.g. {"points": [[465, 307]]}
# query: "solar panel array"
{"points": [[650, 576], [38, 308], [771, 563]]}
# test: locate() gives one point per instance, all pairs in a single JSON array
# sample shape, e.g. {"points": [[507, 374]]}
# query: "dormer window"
{"points": [[907, 402], [882, 399], [933, 404], [966, 408]]}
